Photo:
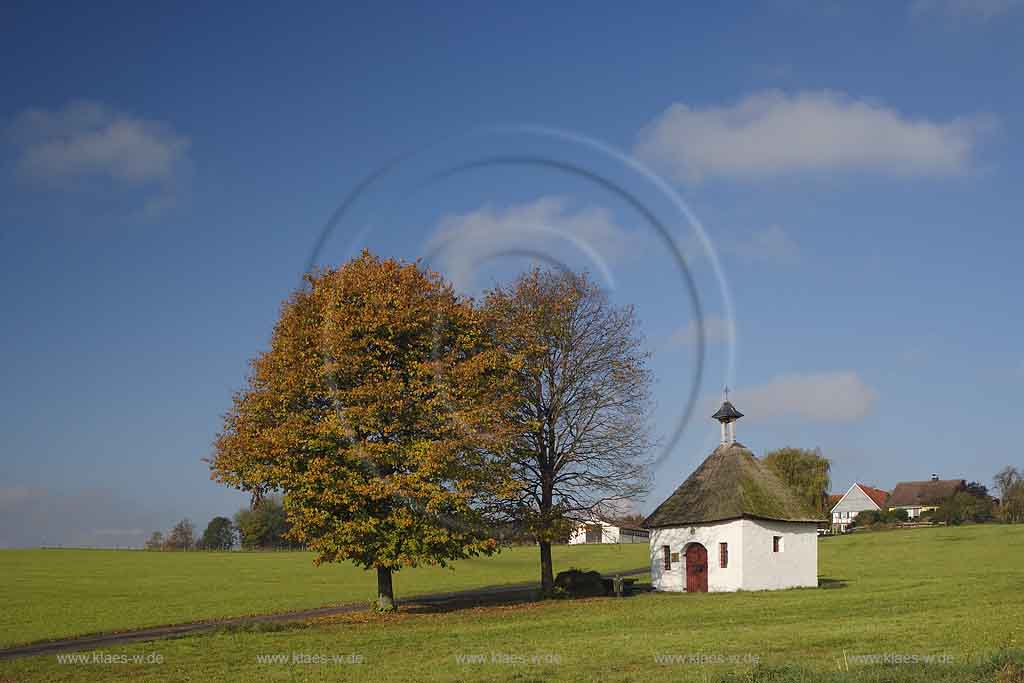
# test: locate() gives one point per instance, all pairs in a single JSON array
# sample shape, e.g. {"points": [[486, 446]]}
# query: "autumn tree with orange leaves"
{"points": [[377, 413]]}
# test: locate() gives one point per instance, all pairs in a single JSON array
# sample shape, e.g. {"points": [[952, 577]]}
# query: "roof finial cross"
{"points": [[726, 393]]}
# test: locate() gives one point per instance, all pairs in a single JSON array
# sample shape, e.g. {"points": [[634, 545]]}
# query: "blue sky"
{"points": [[165, 175]]}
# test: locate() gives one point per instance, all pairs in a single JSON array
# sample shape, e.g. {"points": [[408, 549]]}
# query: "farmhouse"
{"points": [[921, 496], [732, 525], [598, 531], [858, 498]]}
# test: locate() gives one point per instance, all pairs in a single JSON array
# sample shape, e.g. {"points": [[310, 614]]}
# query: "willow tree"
{"points": [[807, 472], [374, 413], [581, 428]]}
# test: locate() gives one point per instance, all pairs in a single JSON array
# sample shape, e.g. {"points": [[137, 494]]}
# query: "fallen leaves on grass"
{"points": [[427, 612]]}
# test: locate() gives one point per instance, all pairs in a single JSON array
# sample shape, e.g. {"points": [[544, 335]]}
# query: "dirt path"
{"points": [[488, 595]]}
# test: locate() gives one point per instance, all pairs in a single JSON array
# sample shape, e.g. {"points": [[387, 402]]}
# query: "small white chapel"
{"points": [[732, 525]]}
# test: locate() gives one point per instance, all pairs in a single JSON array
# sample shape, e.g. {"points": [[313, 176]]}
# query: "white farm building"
{"points": [[858, 498], [607, 532], [732, 525]]}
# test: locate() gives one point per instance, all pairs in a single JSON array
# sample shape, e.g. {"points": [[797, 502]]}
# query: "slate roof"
{"points": [[731, 483], [932, 492], [727, 412]]}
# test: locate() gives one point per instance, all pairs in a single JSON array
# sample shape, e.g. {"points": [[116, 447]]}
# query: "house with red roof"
{"points": [[858, 498]]}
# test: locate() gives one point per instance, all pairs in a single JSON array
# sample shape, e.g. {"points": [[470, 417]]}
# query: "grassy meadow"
{"points": [[954, 593], [51, 594]]}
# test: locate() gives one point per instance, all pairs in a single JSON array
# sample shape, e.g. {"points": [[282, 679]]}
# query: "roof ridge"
{"points": [[730, 483]]}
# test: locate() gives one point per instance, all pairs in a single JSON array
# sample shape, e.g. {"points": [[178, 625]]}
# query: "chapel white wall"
{"points": [[796, 565], [752, 563], [708, 535]]}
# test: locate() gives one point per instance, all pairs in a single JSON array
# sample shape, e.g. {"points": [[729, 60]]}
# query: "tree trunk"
{"points": [[547, 575], [385, 591]]}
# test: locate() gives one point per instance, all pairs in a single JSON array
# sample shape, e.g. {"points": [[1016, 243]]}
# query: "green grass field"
{"points": [[60, 593], [956, 593]]}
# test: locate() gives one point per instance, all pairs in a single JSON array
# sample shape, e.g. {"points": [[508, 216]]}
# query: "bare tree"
{"points": [[156, 541], [582, 417], [1005, 479], [182, 536], [1011, 492]]}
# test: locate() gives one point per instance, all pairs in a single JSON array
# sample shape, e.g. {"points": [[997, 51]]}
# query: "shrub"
{"points": [[878, 519], [866, 518], [964, 507], [576, 583]]}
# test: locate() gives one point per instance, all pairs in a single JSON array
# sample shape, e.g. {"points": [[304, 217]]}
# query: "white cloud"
{"points": [[549, 226], [773, 245], [771, 132], [822, 397], [88, 141], [716, 329], [981, 10]]}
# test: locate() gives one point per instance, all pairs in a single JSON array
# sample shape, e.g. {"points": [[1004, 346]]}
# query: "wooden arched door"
{"points": [[696, 568]]}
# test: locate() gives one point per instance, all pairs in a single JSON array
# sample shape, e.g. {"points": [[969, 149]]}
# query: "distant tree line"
{"points": [[260, 527], [633, 520], [182, 536]]}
